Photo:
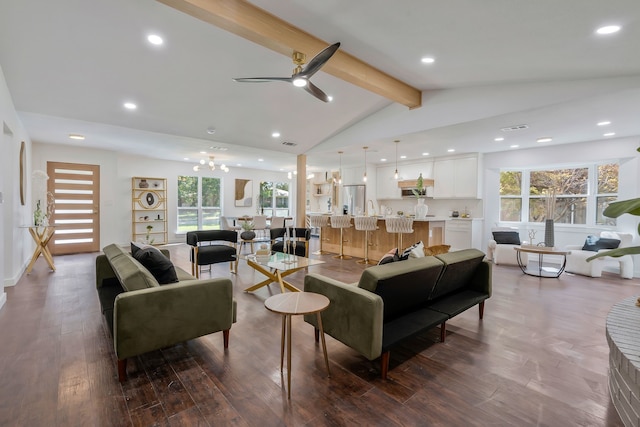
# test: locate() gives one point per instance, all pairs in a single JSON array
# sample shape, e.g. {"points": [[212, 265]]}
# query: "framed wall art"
{"points": [[244, 192]]}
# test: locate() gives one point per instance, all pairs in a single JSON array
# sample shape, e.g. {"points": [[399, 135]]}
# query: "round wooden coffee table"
{"points": [[291, 304]]}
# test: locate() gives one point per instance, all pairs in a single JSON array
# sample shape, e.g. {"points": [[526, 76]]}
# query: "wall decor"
{"points": [[23, 174], [244, 192], [149, 200]]}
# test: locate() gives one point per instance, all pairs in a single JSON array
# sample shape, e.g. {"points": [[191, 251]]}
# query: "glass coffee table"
{"points": [[277, 266], [542, 270]]}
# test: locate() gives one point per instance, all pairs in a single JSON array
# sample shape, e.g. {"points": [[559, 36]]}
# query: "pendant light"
{"points": [[364, 177], [340, 170], [395, 175]]}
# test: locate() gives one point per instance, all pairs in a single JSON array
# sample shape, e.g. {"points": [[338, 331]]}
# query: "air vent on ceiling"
{"points": [[514, 128], [218, 148], [289, 144]]}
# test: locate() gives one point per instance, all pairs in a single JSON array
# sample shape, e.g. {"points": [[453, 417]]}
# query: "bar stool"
{"points": [[319, 221], [399, 225], [366, 224], [341, 222]]}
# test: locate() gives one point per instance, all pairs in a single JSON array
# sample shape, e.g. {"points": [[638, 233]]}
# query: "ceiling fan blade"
{"points": [[263, 79], [316, 91], [318, 61]]}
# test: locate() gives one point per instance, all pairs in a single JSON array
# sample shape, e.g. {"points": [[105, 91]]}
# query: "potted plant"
{"points": [[248, 233], [421, 209], [148, 236]]}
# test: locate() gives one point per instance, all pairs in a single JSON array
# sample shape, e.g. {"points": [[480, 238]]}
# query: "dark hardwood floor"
{"points": [[539, 357]]}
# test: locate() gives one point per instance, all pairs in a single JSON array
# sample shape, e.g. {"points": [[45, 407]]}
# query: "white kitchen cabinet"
{"points": [[386, 185], [457, 178], [463, 234]]}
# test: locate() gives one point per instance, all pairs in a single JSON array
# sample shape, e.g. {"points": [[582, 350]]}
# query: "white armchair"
{"points": [[577, 260], [500, 248]]}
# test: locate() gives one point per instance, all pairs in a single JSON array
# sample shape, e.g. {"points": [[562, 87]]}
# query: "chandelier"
{"points": [[211, 165]]}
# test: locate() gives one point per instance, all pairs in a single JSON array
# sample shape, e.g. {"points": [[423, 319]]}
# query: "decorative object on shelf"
{"points": [[455, 214], [148, 237], [421, 209], [143, 183], [210, 165], [338, 180], [243, 193], [549, 234], [150, 200], [532, 236]]}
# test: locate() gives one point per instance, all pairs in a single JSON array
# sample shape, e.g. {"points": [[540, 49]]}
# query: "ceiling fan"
{"points": [[301, 76]]}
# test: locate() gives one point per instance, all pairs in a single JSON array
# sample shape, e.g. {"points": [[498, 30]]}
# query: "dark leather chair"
{"points": [[212, 246], [302, 240]]}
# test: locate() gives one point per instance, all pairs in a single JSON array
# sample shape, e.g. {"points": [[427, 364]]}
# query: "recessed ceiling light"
{"points": [[239, 164], [604, 123], [261, 160], [275, 134], [330, 98], [403, 157], [425, 154], [514, 146], [428, 60], [76, 136], [203, 152], [498, 139], [130, 106], [155, 39], [609, 134], [608, 29], [211, 130], [544, 139], [185, 158], [451, 150], [383, 160]]}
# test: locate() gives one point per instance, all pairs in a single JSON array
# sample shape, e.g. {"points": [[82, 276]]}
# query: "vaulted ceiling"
{"points": [[71, 65]]}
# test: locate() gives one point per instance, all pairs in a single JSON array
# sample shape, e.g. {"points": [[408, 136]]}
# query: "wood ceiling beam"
{"points": [[261, 27]]}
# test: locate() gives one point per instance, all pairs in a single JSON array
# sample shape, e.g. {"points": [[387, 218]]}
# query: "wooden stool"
{"points": [[341, 222], [366, 224], [399, 225]]}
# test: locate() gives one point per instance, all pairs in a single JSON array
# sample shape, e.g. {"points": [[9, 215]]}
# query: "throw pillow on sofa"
{"points": [[391, 256], [413, 248], [506, 237], [158, 265], [595, 243]]}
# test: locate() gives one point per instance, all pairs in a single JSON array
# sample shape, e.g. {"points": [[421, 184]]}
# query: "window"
{"points": [[198, 203], [571, 195], [274, 198]]}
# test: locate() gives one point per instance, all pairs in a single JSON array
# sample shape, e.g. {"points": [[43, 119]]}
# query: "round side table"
{"points": [[291, 304]]}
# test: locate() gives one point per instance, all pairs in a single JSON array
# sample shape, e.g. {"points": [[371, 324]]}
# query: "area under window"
{"points": [[568, 196], [199, 203]]}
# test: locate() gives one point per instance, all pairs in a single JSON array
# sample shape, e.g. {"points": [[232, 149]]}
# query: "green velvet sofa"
{"points": [[143, 316], [394, 302]]}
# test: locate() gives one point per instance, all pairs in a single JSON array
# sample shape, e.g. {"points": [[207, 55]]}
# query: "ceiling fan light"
{"points": [[196, 168], [299, 82]]}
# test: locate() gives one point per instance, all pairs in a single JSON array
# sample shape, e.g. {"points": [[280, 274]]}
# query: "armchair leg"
{"points": [[225, 338], [481, 309], [443, 331], [122, 370], [384, 364]]}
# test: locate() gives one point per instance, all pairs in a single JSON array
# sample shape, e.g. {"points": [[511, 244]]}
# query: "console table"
{"points": [[41, 235]]}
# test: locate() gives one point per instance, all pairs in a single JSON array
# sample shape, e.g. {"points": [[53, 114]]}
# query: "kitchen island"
{"points": [[429, 230]]}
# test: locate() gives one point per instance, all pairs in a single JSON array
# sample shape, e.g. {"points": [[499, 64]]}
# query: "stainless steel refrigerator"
{"points": [[354, 199]]}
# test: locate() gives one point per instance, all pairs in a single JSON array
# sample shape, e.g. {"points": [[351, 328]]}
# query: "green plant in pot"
{"points": [[614, 210], [247, 233], [419, 190]]}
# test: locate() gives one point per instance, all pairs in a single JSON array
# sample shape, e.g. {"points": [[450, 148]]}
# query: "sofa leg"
{"points": [[225, 338], [122, 370], [443, 331], [481, 309], [384, 364], [317, 334]]}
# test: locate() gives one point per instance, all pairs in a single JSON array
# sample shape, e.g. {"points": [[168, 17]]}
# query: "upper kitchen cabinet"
{"points": [[386, 184], [457, 178]]}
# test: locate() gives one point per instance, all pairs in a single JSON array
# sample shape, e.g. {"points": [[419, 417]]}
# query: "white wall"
{"points": [[16, 244], [117, 169], [622, 150]]}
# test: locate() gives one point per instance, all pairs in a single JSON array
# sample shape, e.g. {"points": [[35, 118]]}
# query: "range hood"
{"points": [[413, 183]]}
